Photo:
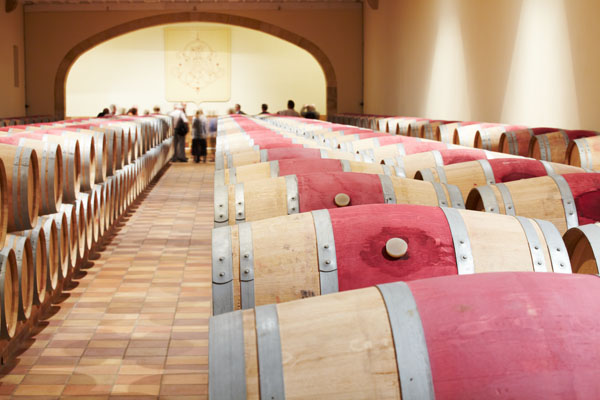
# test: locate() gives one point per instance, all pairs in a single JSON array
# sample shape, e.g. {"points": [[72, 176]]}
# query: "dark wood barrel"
{"points": [[286, 258], [524, 335], [470, 174], [553, 146], [517, 141], [565, 200], [583, 245], [25, 273], [293, 194], [585, 153], [9, 293]]}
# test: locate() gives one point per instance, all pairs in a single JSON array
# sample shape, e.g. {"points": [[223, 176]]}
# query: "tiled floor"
{"points": [[135, 325]]}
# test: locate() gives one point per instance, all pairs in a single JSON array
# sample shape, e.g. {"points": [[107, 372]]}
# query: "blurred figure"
{"points": [[180, 122], [309, 111], [132, 111], [146, 112], [290, 112], [156, 110], [199, 132], [103, 113], [122, 111], [113, 110], [264, 107], [238, 110]]}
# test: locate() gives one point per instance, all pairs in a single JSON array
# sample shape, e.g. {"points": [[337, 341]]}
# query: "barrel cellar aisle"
{"points": [[135, 322]]}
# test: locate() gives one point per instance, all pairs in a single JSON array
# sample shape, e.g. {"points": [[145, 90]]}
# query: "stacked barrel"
{"points": [[361, 262], [63, 187]]}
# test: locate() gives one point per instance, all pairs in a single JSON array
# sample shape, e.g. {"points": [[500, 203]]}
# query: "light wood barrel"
{"points": [[22, 186], [85, 228], [9, 293], [286, 258], [430, 131], [64, 242], [277, 168], [39, 246], [553, 146], [99, 194], [565, 200], [113, 143], [373, 142], [100, 151], [470, 174], [50, 161], [445, 132], [585, 153], [75, 231], [71, 165], [53, 260], [446, 338], [583, 245], [26, 274], [292, 194], [90, 208], [87, 147]]}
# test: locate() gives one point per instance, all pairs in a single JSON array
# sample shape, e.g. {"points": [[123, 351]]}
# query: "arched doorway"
{"points": [[85, 45]]}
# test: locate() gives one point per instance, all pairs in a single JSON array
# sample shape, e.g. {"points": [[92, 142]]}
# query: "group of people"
{"points": [[307, 111], [111, 111], [181, 129]]}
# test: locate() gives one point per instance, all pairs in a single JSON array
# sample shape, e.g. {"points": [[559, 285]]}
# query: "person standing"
{"points": [[290, 112], [180, 122], [199, 132], [238, 110]]}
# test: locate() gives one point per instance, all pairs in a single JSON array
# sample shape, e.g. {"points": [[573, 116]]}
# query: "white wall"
{"points": [[129, 70], [526, 62], [12, 99]]}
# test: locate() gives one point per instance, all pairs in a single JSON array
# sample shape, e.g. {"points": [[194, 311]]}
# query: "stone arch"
{"points": [[162, 19]]}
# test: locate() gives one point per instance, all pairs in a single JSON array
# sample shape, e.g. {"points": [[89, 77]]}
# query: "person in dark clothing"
{"points": [[264, 107], [199, 132], [104, 113]]}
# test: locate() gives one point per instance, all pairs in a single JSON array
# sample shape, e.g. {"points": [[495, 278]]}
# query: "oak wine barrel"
{"points": [[22, 186], [488, 137], [517, 141], [9, 293], [25, 273], [73, 229], [324, 251], [484, 336], [565, 200], [53, 251], [470, 174], [553, 146], [583, 245], [39, 260], [585, 153]]}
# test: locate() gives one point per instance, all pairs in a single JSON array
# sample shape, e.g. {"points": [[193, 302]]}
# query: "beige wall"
{"points": [[12, 99], [49, 36], [515, 61], [130, 70]]}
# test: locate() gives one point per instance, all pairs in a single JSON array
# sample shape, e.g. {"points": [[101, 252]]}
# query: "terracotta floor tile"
{"points": [[135, 390], [95, 379], [38, 390], [39, 379], [78, 390]]}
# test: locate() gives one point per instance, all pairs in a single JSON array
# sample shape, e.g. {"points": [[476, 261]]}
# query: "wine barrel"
{"points": [[286, 258], [75, 231], [285, 153], [553, 146], [470, 174], [90, 208], [114, 142], [430, 131], [100, 194], [85, 236], [292, 194], [87, 147], [39, 246], [25, 272], [373, 142], [63, 245], [489, 137], [585, 153], [341, 142], [4, 199], [408, 165], [100, 147], [53, 260], [277, 168], [22, 186], [390, 151], [445, 132], [464, 135], [565, 200], [518, 335], [50, 164], [9, 293], [583, 245]]}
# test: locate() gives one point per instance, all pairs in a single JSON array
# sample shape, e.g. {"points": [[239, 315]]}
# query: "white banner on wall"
{"points": [[197, 64]]}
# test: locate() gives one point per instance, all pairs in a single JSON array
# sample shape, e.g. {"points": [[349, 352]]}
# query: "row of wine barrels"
{"points": [[553, 146], [307, 254], [518, 335], [566, 200], [470, 174], [585, 153], [34, 262], [293, 194]]}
